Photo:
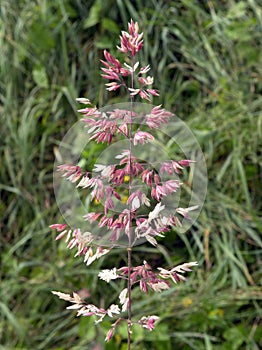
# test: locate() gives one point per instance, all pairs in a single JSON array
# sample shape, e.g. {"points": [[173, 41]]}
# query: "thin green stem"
{"points": [[129, 291], [129, 249]]}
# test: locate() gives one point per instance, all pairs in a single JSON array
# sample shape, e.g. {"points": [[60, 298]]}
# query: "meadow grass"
{"points": [[206, 57]]}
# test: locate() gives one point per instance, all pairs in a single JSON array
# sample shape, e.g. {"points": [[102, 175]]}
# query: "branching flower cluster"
{"points": [[144, 215]]}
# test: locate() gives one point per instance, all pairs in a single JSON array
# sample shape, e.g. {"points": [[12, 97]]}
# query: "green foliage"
{"points": [[206, 59]]}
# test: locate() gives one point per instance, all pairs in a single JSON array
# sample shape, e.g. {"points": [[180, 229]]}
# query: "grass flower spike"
{"points": [[144, 214]]}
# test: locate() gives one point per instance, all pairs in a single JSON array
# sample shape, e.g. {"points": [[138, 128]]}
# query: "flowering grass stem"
{"points": [[107, 181]]}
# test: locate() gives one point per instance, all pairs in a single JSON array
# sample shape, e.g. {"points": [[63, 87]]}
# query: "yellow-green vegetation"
{"points": [[206, 58]]}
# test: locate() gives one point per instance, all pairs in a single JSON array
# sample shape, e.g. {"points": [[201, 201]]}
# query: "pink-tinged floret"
{"points": [[131, 41]]}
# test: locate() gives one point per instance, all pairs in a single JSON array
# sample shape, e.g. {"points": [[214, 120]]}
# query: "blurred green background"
{"points": [[206, 60]]}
